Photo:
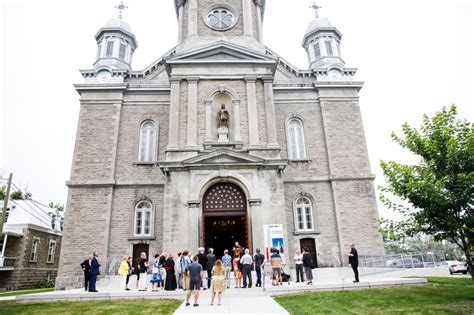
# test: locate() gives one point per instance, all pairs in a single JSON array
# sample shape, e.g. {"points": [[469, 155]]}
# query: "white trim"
{"points": [[291, 137], [304, 214], [53, 252], [151, 219], [34, 249], [149, 142]]}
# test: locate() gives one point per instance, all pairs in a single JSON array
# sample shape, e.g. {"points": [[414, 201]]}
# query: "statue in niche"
{"points": [[223, 117]]}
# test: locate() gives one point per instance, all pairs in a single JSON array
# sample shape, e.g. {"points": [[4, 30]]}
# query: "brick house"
{"points": [[30, 247], [219, 140]]}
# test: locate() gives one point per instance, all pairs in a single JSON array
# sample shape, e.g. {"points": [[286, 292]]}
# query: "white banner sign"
{"points": [[273, 238]]}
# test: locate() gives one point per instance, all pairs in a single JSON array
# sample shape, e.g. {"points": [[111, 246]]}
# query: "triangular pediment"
{"points": [[223, 157], [221, 51]]}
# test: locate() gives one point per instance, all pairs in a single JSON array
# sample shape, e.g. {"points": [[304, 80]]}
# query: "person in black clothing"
{"points": [[170, 282], [130, 271], [203, 261], [259, 261], [307, 265], [211, 261], [86, 266], [354, 261]]}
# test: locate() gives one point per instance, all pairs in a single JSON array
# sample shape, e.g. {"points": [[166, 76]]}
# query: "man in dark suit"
{"points": [[86, 266], [203, 261], [94, 272], [354, 261]]}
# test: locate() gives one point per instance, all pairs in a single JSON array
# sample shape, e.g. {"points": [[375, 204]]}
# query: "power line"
{"points": [[32, 213], [32, 201]]}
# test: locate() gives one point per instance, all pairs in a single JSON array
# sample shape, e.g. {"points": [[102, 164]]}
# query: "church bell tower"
{"points": [[204, 22]]}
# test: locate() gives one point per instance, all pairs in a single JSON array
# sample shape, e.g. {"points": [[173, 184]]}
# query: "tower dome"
{"points": [[322, 43], [115, 46]]}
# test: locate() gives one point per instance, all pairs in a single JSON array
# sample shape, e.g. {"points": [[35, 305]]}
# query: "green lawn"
{"points": [[441, 296], [99, 307], [23, 292]]}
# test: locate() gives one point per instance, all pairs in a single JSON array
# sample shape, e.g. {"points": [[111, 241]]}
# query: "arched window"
{"points": [[296, 145], [147, 147], [143, 218], [304, 214]]}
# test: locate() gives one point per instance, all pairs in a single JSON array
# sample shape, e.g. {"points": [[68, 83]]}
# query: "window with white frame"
{"points": [[122, 51], [296, 143], [143, 218], [329, 50], [109, 48], [304, 214], [147, 146], [34, 250], [317, 50], [51, 251]]}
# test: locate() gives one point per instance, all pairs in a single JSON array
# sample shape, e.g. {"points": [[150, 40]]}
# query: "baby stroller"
{"points": [[285, 277]]}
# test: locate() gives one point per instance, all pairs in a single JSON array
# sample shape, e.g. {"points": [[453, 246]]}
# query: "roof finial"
{"points": [[121, 6], [316, 8]]}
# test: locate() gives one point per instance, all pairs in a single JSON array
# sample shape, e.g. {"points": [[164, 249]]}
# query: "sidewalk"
{"points": [[234, 301]]}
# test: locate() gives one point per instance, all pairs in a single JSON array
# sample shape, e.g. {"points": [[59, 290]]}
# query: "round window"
{"points": [[220, 18]]}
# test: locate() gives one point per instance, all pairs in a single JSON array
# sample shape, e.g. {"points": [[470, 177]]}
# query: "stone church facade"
{"points": [[155, 170]]}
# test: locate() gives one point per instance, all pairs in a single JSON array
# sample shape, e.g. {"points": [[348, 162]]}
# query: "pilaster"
{"points": [[192, 112], [194, 223], [270, 113], [237, 133], [254, 139], [192, 17], [174, 113], [247, 15], [208, 106]]}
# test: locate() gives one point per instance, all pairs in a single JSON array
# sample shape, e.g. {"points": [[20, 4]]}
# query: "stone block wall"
{"points": [[94, 153], [86, 229], [324, 219], [205, 31], [122, 219]]}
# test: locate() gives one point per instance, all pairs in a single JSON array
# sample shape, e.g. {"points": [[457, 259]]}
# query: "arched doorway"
{"points": [[224, 218]]}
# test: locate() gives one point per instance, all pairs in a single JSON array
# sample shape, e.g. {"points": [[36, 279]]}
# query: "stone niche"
{"points": [[212, 123]]}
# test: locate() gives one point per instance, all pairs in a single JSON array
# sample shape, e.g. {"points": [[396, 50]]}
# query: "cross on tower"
{"points": [[316, 8], [120, 7]]}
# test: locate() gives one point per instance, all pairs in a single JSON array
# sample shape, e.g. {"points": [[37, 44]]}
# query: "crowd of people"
{"points": [[204, 271]]}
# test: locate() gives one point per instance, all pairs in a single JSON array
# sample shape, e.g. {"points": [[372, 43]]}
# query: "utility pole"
{"points": [[5, 204]]}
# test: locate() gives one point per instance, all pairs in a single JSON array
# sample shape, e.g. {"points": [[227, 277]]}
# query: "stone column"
{"points": [[192, 112], [247, 16], [270, 113], [194, 224], [237, 135], [173, 129], [180, 22], [208, 106], [259, 4], [192, 17], [254, 139], [255, 225]]}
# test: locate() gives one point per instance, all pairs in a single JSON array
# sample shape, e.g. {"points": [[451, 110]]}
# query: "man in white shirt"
{"points": [[247, 262]]}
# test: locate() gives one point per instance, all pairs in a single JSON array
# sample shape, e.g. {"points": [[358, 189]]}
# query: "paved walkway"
{"points": [[234, 301]]}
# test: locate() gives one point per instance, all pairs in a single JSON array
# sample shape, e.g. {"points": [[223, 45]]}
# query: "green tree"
{"points": [[56, 206], [439, 189], [15, 195]]}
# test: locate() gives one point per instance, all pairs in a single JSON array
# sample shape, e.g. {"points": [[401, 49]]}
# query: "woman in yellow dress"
{"points": [[218, 281]]}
